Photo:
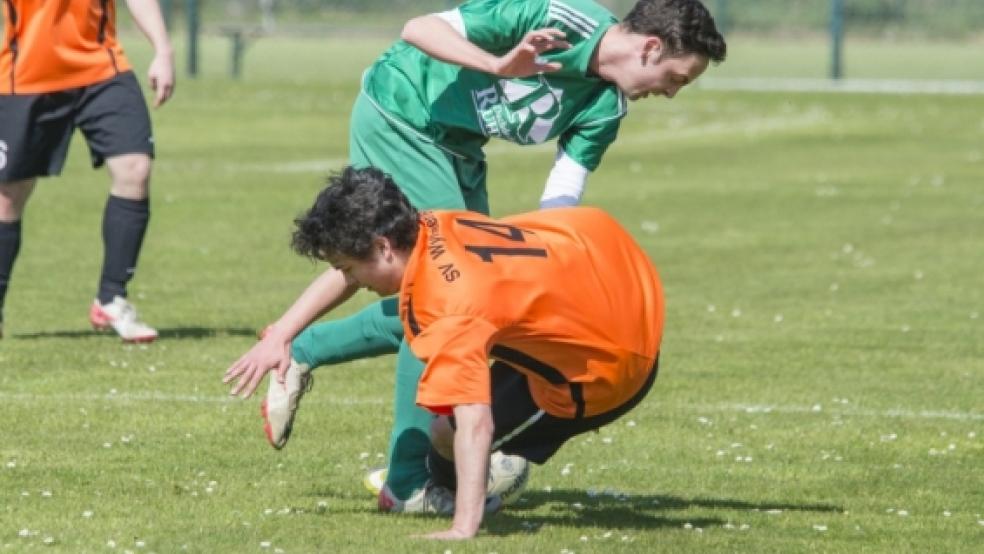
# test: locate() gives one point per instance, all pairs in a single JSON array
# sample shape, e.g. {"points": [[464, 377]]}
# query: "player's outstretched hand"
{"points": [[524, 59], [451, 534], [161, 77], [271, 352]]}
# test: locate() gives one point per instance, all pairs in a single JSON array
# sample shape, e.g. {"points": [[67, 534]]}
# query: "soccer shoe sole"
{"points": [[268, 430]]}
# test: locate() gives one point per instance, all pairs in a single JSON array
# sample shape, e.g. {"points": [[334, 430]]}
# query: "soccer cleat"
{"points": [[375, 480], [121, 315], [282, 400], [508, 477], [432, 499]]}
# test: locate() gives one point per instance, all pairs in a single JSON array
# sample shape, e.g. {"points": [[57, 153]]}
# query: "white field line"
{"points": [[319, 166], [895, 413], [154, 396], [151, 396], [870, 86]]}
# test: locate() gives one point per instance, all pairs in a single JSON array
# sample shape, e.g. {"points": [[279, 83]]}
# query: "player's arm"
{"points": [[147, 14], [472, 442], [580, 149], [328, 291], [566, 182], [442, 36]]}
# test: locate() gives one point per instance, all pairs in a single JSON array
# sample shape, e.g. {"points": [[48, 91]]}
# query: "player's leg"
{"points": [[373, 331], [35, 131], [431, 177], [536, 436], [410, 436], [114, 118], [13, 198]]}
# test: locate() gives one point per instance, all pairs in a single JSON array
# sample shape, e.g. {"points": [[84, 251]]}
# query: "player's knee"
{"points": [[13, 198], [131, 175], [442, 436]]}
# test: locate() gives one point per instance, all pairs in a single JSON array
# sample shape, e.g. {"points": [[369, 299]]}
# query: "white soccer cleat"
{"points": [[121, 315], [432, 499], [508, 476], [282, 401]]}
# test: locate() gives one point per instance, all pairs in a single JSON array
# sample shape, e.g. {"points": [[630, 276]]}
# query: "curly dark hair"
{"points": [[684, 26], [357, 206]]}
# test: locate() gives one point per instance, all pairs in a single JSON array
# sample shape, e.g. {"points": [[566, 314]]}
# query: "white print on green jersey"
{"points": [[517, 111]]}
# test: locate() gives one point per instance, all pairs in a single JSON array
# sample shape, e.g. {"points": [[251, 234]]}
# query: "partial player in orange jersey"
{"points": [[62, 68], [564, 302]]}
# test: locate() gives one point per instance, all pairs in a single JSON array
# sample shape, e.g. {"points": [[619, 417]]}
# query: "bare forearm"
{"points": [[438, 39], [147, 14], [324, 294], [472, 440]]}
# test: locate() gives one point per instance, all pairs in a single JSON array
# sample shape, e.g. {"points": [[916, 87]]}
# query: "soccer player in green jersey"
{"points": [[527, 71]]}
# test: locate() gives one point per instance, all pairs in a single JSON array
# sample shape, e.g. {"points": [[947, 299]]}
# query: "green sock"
{"points": [[410, 440], [373, 331]]}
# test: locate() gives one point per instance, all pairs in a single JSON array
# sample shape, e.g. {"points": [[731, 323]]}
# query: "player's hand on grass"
{"points": [[161, 77], [524, 59], [452, 534], [271, 352]]}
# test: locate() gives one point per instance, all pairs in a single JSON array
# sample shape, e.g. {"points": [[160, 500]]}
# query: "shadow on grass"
{"points": [[533, 499], [575, 508], [166, 333], [578, 509]]}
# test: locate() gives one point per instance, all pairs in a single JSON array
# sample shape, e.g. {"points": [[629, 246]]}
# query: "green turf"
{"points": [[822, 367]]}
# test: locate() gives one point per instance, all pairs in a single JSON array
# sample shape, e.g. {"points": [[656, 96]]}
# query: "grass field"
{"points": [[823, 366]]}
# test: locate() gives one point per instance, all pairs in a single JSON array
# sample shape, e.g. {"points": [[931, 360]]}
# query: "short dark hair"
{"points": [[684, 26], [357, 206]]}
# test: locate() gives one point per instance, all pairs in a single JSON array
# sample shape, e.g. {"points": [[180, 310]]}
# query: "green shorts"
{"points": [[431, 176]]}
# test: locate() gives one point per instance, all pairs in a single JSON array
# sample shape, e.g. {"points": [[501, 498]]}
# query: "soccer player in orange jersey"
{"points": [[62, 68], [564, 302]]}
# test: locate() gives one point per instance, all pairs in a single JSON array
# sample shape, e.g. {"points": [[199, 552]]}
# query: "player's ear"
{"points": [[652, 48], [383, 247]]}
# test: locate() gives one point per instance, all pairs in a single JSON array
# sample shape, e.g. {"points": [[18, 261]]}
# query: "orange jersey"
{"points": [[57, 45], [565, 296]]}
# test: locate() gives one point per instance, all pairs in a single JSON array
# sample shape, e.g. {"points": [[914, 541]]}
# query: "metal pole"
{"points": [[238, 45], [191, 6], [836, 39], [723, 17], [167, 12]]}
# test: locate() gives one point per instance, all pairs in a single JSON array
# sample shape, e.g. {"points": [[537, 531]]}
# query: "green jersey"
{"points": [[460, 109]]}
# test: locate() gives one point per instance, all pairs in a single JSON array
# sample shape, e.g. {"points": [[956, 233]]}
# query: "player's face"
{"points": [[381, 273], [660, 74]]}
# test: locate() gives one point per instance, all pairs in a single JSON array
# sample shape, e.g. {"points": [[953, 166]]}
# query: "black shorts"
{"points": [[522, 428], [36, 129]]}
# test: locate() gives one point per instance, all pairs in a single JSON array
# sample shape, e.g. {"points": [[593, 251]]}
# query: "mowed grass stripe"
{"points": [[657, 405]]}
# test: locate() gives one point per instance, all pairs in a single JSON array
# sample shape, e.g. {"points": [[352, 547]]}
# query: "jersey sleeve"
{"points": [[588, 139], [455, 350], [498, 25]]}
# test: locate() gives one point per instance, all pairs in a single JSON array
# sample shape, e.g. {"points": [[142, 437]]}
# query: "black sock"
{"points": [[442, 470], [124, 225], [10, 241]]}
